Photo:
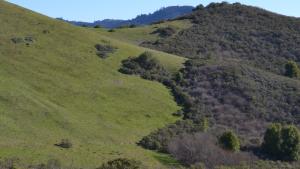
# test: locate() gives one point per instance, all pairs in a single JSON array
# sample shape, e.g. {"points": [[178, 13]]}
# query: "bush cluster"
{"points": [[165, 32], [104, 50], [230, 141], [146, 66], [282, 142], [292, 70], [160, 139], [121, 163]]}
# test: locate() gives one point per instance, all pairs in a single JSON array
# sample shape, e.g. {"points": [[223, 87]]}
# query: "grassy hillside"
{"points": [[53, 86], [141, 34]]}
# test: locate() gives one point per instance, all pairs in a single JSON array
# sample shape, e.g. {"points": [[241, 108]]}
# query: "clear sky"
{"points": [[91, 10]]}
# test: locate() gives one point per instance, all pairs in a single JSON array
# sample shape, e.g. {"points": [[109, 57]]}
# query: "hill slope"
{"points": [[252, 35], [54, 86], [235, 76], [166, 13]]}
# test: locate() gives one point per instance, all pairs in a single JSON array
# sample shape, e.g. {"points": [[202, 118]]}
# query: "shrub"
{"points": [[104, 50], [132, 26], [65, 143], [146, 66], [282, 143], [292, 70], [165, 32], [121, 163], [112, 30], [230, 141], [97, 26], [290, 146], [272, 140]]}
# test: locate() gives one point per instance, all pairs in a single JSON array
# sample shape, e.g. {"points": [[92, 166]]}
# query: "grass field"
{"points": [[56, 87]]}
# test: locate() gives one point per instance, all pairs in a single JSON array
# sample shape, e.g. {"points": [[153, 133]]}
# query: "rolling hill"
{"points": [[54, 86], [59, 81], [236, 72]]}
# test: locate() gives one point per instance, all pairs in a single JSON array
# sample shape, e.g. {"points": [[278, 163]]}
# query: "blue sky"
{"points": [[90, 10]]}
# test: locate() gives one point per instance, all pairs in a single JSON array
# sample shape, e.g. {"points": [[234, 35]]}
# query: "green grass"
{"points": [[140, 34], [59, 88]]}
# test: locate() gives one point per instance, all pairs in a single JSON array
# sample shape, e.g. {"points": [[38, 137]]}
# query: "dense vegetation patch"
{"points": [[292, 70], [251, 35], [282, 142], [121, 163], [165, 31], [230, 141], [239, 97], [103, 51], [146, 66], [159, 140], [201, 150]]}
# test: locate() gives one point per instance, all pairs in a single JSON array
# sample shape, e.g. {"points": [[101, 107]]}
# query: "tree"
{"points": [[290, 146], [272, 140], [282, 143], [292, 70], [230, 141]]}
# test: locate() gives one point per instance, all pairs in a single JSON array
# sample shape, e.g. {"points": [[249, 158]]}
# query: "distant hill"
{"points": [[144, 19]]}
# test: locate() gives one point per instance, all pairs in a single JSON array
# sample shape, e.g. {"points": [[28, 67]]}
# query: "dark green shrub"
{"points": [[282, 143], [147, 61], [121, 163], [112, 30], [165, 32], [146, 66], [104, 50], [132, 26], [97, 26], [290, 146], [272, 140], [230, 141], [292, 70], [65, 143]]}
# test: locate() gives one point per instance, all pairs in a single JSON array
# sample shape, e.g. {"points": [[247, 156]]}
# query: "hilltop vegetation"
{"points": [[250, 35]]}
